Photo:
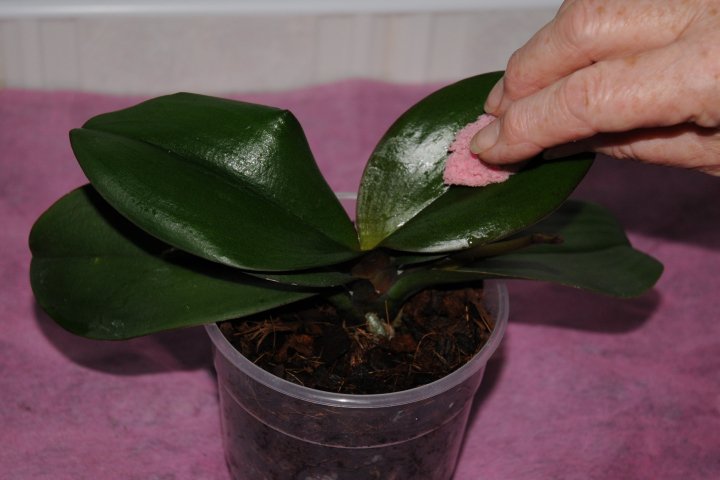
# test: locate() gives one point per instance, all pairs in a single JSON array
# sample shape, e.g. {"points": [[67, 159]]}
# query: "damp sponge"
{"points": [[464, 167]]}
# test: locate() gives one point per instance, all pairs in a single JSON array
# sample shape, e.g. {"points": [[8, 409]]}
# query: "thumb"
{"points": [[686, 146]]}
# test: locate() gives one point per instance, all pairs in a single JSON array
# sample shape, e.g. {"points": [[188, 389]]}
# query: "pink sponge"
{"points": [[464, 167]]}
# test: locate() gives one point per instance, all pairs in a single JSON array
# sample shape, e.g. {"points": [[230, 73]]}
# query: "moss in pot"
{"points": [[202, 210]]}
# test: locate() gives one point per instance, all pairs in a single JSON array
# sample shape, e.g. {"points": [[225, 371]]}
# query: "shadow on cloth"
{"points": [[660, 202], [535, 303], [177, 350]]}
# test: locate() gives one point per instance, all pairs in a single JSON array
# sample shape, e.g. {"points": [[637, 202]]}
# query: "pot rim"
{"points": [[498, 302]]}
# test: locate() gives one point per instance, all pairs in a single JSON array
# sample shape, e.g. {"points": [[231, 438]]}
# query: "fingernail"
{"points": [[492, 103], [485, 138]]}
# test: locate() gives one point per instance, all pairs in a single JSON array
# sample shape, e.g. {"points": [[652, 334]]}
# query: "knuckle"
{"points": [[517, 125], [580, 97], [565, 5], [581, 22], [514, 64], [708, 153], [623, 152], [714, 146], [514, 75]]}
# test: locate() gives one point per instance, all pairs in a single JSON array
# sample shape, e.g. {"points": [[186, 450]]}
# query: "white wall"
{"points": [[166, 45], [57, 8]]}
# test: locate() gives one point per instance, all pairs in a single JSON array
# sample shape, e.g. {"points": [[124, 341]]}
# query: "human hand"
{"points": [[634, 80]]}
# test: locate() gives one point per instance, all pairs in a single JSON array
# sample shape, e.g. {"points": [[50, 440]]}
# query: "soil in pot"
{"points": [[436, 332]]}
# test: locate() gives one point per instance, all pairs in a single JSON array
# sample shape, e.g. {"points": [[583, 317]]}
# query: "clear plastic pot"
{"points": [[274, 429]]}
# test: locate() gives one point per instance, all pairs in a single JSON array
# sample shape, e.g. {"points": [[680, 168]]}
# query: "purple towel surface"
{"points": [[583, 386]]}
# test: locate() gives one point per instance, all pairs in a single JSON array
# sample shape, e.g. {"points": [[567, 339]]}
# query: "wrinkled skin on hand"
{"points": [[636, 80]]}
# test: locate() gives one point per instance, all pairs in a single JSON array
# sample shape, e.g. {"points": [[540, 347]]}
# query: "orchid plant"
{"points": [[202, 209]]}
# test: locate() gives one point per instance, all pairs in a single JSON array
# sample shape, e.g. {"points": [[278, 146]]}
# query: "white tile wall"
{"points": [[243, 52]]}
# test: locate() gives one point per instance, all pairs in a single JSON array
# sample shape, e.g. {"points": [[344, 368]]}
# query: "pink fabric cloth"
{"points": [[464, 167], [583, 386]]}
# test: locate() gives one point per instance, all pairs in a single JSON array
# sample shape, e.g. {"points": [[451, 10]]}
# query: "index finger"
{"points": [[611, 96], [584, 33]]}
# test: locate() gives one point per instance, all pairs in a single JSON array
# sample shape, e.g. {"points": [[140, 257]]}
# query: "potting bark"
{"points": [[436, 332]]}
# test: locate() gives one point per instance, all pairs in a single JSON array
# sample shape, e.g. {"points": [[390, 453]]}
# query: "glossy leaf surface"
{"points": [[101, 277], [232, 182], [404, 205], [595, 255], [307, 278]]}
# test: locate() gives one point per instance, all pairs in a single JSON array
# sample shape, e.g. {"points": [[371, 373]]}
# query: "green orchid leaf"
{"points": [[101, 277], [404, 205], [407, 259], [228, 181], [335, 276], [595, 255], [314, 279]]}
